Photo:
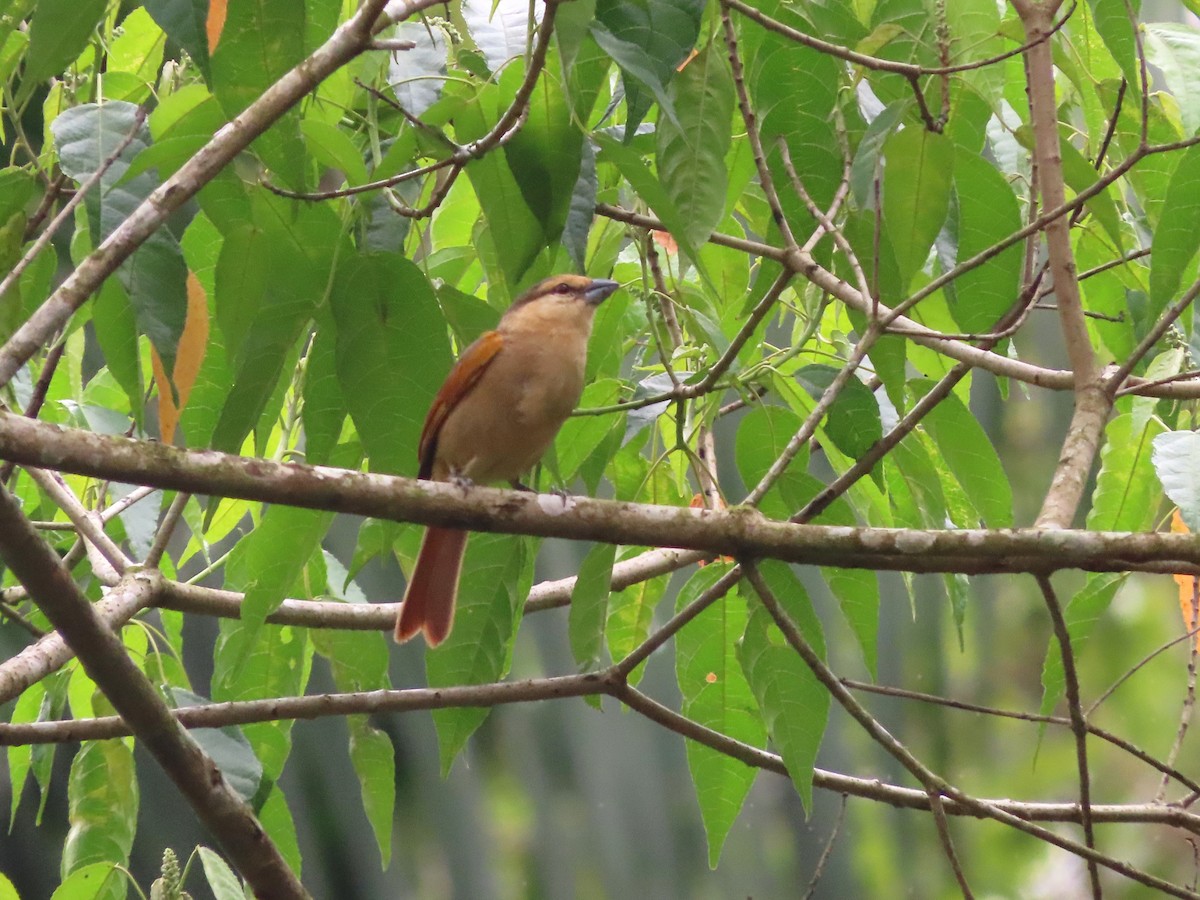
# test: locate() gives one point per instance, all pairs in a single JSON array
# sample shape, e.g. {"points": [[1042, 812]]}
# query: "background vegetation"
{"points": [[898, 278]]}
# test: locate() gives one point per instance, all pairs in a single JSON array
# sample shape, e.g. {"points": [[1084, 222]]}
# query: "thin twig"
{"points": [[1189, 699], [1078, 722], [827, 850], [68, 210]]}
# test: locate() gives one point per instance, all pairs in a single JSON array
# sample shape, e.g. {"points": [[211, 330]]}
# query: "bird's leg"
{"points": [[461, 481]]}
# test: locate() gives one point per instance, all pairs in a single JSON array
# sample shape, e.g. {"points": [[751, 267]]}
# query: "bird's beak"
{"points": [[599, 290]]}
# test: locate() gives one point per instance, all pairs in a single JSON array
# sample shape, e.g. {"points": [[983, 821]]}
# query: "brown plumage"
{"points": [[495, 416]]}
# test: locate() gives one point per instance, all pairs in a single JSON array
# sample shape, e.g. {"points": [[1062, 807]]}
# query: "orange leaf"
{"points": [[1189, 586], [215, 23], [188, 357], [664, 240]]}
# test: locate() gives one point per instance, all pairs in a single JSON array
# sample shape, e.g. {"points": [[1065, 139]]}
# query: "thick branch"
{"points": [[140, 705], [343, 45], [736, 532]]}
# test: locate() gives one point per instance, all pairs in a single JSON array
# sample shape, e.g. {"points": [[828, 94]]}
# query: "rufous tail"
{"points": [[429, 600]]}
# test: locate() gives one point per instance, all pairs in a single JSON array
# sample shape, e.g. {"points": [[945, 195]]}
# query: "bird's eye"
{"points": [[563, 288]]}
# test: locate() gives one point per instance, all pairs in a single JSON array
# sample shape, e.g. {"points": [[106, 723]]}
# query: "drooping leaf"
{"points": [[716, 694], [516, 231], [497, 572], [970, 456], [221, 880], [154, 276], [987, 212], [793, 703], [259, 43], [1115, 20], [545, 154], [691, 147], [648, 39], [853, 422], [59, 31], [1177, 237], [916, 194], [392, 354], [183, 21], [589, 604], [103, 797], [270, 277], [227, 747]]}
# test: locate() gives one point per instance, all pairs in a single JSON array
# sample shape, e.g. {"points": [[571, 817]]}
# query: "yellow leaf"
{"points": [[215, 23], [188, 357], [1189, 586]]}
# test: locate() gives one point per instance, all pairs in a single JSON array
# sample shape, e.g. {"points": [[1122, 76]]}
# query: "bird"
{"points": [[493, 419]]}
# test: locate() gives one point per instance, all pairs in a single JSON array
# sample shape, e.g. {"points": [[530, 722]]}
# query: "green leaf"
{"points": [[975, 35], [277, 821], [1174, 49], [374, 763], [259, 44], [517, 233], [690, 150], [545, 155], [652, 193], [392, 354], [916, 194], [184, 23], [116, 333], [794, 705], [1081, 175], [94, 881], [1176, 456], [1177, 237], [582, 209], [987, 212], [227, 747], [324, 411], [853, 422], [630, 613], [102, 794], [648, 39], [1115, 20], [716, 694], [221, 880], [270, 277], [7, 891], [589, 604], [266, 565], [970, 456], [359, 662], [332, 147], [497, 572], [58, 33], [154, 276], [857, 593], [582, 435]]}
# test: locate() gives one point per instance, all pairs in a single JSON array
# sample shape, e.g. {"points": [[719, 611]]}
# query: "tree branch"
{"points": [[139, 704], [343, 45]]}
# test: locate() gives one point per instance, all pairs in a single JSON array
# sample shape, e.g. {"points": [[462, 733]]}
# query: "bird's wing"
{"points": [[464, 376]]}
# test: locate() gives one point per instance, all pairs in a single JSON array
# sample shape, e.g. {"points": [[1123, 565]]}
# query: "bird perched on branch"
{"points": [[494, 418]]}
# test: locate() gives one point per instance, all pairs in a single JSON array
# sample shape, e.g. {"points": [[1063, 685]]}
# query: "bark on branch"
{"points": [[734, 532]]}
